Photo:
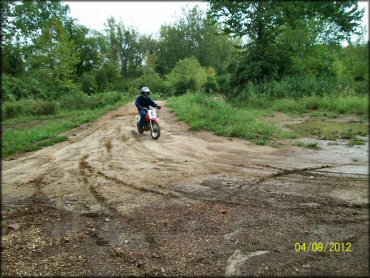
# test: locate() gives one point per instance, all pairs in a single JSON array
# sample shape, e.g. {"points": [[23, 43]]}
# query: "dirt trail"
{"points": [[112, 201]]}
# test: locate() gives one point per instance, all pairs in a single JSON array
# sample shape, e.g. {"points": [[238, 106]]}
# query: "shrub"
{"points": [[153, 80], [211, 85], [88, 83], [15, 88], [223, 82], [294, 88], [13, 109], [42, 107], [83, 101], [188, 75]]}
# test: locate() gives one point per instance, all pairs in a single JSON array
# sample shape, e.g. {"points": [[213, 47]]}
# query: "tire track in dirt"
{"points": [[83, 165], [192, 198], [179, 155], [284, 172], [204, 155]]}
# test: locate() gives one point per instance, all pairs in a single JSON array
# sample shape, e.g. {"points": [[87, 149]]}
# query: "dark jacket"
{"points": [[145, 102]]}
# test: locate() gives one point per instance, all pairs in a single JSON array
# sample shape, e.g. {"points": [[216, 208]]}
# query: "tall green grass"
{"points": [[73, 101], [356, 105], [29, 132], [298, 87], [245, 119], [210, 113]]}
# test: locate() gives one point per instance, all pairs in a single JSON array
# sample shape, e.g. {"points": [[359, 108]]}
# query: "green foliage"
{"points": [[88, 83], [329, 130], [355, 142], [123, 48], [213, 114], [282, 33], [352, 63], [292, 54], [82, 101], [154, 81], [12, 62], [294, 88], [71, 101], [189, 75], [13, 109], [24, 139], [357, 105], [15, 88], [313, 145], [211, 85], [32, 129], [194, 35]]}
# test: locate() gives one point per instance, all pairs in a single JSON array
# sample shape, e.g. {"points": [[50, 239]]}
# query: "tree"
{"points": [[123, 48], [194, 35], [23, 23], [188, 75], [55, 59], [273, 26], [86, 46]]}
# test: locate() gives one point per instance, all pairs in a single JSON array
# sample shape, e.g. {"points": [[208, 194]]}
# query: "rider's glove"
{"points": [[158, 107]]}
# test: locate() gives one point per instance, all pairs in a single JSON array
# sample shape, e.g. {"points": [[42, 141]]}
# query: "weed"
{"points": [[314, 146], [355, 141], [222, 118], [30, 137], [329, 130]]}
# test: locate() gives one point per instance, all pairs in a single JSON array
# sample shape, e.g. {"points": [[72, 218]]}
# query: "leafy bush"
{"points": [[13, 109], [43, 108], [293, 88], [211, 85], [154, 81], [15, 88], [88, 83], [362, 87], [215, 115], [83, 101], [188, 75]]}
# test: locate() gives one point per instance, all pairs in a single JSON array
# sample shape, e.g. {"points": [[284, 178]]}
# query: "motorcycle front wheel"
{"points": [[155, 132]]}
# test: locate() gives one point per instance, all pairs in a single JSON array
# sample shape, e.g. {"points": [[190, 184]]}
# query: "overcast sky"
{"points": [[146, 16]]}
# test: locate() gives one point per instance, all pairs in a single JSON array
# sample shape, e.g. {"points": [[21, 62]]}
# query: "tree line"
{"points": [[231, 48]]}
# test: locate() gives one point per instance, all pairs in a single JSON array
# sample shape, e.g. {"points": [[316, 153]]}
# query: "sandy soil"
{"points": [[111, 201]]}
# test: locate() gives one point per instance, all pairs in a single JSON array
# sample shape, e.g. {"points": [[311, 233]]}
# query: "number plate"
{"points": [[152, 114]]}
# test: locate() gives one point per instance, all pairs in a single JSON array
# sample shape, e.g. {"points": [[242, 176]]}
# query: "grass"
{"points": [[30, 133], [322, 106], [313, 145], [244, 120], [355, 142], [329, 130], [210, 113]]}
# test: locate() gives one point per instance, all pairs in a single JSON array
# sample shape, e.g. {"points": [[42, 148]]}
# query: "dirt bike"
{"points": [[151, 123]]}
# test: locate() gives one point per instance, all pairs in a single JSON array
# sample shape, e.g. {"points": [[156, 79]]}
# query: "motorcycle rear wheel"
{"points": [[139, 128], [156, 131]]}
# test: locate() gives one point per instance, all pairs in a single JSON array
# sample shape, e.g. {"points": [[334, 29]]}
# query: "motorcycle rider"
{"points": [[144, 101]]}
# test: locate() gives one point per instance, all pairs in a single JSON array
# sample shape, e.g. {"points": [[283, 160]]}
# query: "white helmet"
{"points": [[145, 91]]}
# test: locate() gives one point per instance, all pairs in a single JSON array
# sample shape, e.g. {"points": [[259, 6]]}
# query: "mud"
{"points": [[111, 201]]}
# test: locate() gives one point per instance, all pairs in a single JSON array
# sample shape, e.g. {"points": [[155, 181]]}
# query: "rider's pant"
{"points": [[143, 113]]}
